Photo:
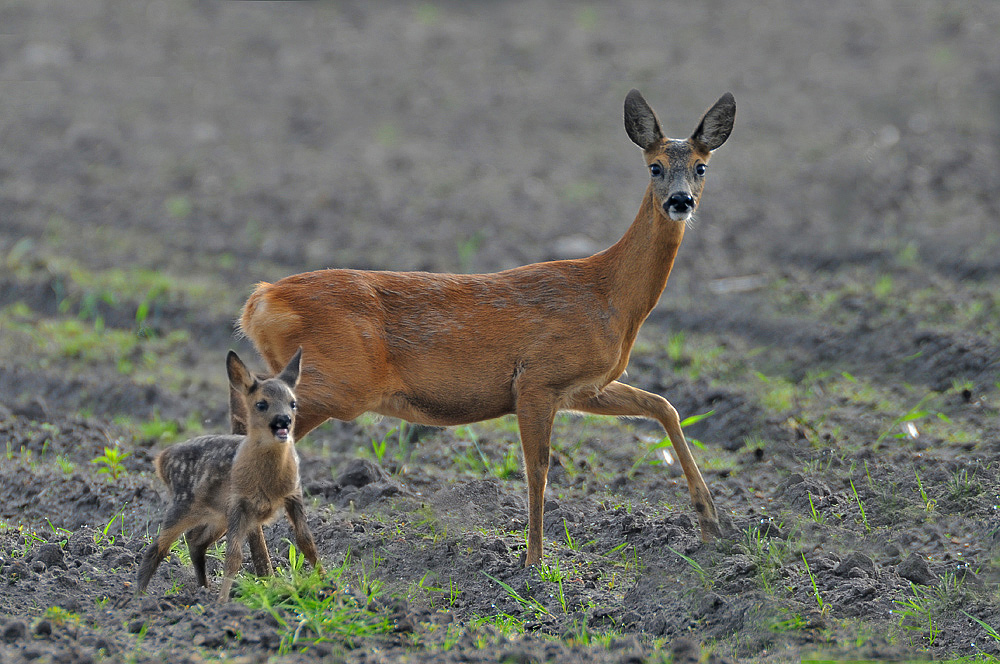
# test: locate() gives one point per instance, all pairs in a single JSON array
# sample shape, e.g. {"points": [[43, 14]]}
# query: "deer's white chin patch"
{"points": [[680, 216]]}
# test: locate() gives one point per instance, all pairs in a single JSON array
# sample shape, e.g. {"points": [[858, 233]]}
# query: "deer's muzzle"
{"points": [[280, 426]]}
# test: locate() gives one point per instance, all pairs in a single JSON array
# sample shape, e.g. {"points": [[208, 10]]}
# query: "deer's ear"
{"points": [[240, 377], [290, 374], [640, 121], [717, 123]]}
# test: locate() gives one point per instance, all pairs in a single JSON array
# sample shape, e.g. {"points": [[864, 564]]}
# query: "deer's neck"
{"points": [[638, 265], [268, 454]]}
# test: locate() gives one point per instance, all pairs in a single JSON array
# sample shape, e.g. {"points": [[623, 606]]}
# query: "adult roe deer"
{"points": [[447, 349], [232, 484]]}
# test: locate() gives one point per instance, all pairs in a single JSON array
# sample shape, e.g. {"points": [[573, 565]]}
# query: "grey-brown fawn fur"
{"points": [[233, 484]]}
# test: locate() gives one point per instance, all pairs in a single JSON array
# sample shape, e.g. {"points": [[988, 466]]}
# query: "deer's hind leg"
{"points": [[625, 400], [198, 541], [176, 522]]}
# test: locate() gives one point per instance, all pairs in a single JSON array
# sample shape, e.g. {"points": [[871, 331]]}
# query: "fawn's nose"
{"points": [[679, 202], [281, 422]]}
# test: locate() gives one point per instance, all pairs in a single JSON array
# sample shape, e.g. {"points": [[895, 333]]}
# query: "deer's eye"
{"points": [[261, 406], [655, 170], [700, 169], [295, 406]]}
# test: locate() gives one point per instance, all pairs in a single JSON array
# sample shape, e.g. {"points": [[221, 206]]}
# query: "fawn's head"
{"points": [[270, 403], [678, 166]]}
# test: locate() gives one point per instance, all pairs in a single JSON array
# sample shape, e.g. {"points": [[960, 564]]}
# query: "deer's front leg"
{"points": [[303, 536], [240, 522], [258, 552], [535, 411]]}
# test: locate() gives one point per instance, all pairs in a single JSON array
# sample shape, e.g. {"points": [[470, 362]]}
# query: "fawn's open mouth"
{"points": [[280, 432]]}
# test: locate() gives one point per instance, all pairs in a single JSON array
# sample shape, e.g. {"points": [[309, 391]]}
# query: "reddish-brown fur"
{"points": [[446, 349]]}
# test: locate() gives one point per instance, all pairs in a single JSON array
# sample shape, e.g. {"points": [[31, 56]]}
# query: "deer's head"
{"points": [[677, 167], [270, 403]]}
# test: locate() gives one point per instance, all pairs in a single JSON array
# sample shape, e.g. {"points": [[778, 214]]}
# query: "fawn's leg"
{"points": [[198, 541], [258, 552], [303, 536], [621, 399], [535, 411], [239, 525], [174, 524]]}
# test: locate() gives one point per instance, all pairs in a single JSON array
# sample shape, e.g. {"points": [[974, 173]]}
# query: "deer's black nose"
{"points": [[281, 422], [679, 202]]}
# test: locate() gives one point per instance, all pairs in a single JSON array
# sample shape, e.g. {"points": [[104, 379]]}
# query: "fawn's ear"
{"points": [[717, 123], [290, 374], [640, 121], [240, 377]]}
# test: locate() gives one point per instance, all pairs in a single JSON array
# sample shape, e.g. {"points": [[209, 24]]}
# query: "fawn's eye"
{"points": [[655, 170], [700, 169], [295, 406], [261, 406]]}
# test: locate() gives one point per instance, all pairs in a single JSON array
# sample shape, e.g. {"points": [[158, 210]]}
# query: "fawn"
{"points": [[447, 349], [232, 484]]}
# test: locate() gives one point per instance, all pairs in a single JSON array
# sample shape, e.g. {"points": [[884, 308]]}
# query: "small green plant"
{"points": [[159, 429], [312, 607], [27, 540], [530, 603], [508, 466], [796, 622], [814, 514], [779, 393], [105, 537], [60, 617], [379, 446], [571, 544], [675, 348], [581, 634], [451, 591], [111, 462], [990, 630], [767, 553], [963, 485], [65, 465], [706, 580], [929, 503], [504, 623], [915, 413], [554, 574], [857, 499], [824, 608], [917, 613], [883, 287], [57, 530]]}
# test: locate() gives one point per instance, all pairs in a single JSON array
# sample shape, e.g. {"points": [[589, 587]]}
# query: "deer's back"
{"points": [[199, 466]]}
